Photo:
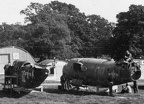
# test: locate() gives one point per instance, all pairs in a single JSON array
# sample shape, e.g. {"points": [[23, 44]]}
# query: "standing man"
{"points": [[128, 88], [110, 89], [7, 73], [128, 57], [62, 80], [135, 86]]}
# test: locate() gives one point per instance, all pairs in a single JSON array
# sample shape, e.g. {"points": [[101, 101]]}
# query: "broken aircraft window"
{"points": [[77, 66]]}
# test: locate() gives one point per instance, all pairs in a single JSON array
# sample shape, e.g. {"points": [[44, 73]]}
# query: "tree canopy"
{"points": [[129, 33], [60, 30]]}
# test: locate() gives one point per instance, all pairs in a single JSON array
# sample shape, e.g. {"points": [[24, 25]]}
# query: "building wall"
{"points": [[10, 54], [57, 71], [142, 69]]}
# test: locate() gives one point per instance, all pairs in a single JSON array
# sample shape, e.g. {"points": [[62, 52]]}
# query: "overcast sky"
{"points": [[10, 9]]}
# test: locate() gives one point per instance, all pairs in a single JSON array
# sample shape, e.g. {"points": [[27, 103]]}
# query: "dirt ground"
{"points": [[51, 95]]}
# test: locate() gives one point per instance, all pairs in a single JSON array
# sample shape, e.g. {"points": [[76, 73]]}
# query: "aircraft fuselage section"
{"points": [[94, 72], [28, 76]]}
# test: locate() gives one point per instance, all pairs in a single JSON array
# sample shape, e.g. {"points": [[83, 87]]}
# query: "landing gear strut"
{"points": [[135, 86], [110, 89]]}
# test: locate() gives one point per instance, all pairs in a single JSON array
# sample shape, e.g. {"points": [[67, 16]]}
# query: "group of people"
{"points": [[8, 71], [127, 88]]}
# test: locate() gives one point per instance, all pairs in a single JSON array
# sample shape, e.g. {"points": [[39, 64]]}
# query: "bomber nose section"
{"points": [[135, 73]]}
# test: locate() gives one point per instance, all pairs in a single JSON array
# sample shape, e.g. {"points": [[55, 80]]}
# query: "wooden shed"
{"points": [[12, 53]]}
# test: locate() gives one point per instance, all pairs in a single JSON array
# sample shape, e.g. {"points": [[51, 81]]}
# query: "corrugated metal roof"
{"points": [[18, 48], [14, 47]]}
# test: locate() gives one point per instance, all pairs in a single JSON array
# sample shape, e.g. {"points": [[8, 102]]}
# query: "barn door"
{"points": [[4, 59]]}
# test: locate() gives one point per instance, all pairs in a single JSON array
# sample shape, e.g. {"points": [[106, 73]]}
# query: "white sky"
{"points": [[10, 9]]}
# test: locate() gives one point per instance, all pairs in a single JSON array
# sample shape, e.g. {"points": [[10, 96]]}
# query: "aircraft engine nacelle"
{"points": [[135, 71]]}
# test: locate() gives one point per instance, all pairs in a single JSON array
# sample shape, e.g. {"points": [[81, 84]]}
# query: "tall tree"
{"points": [[11, 35], [58, 30], [75, 22], [88, 32], [99, 35], [129, 32], [48, 30]]}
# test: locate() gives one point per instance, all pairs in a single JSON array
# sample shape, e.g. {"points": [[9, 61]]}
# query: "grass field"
{"points": [[52, 95]]}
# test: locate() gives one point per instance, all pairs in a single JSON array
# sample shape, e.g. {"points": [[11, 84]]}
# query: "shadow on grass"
{"points": [[12, 94], [91, 91], [76, 92]]}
